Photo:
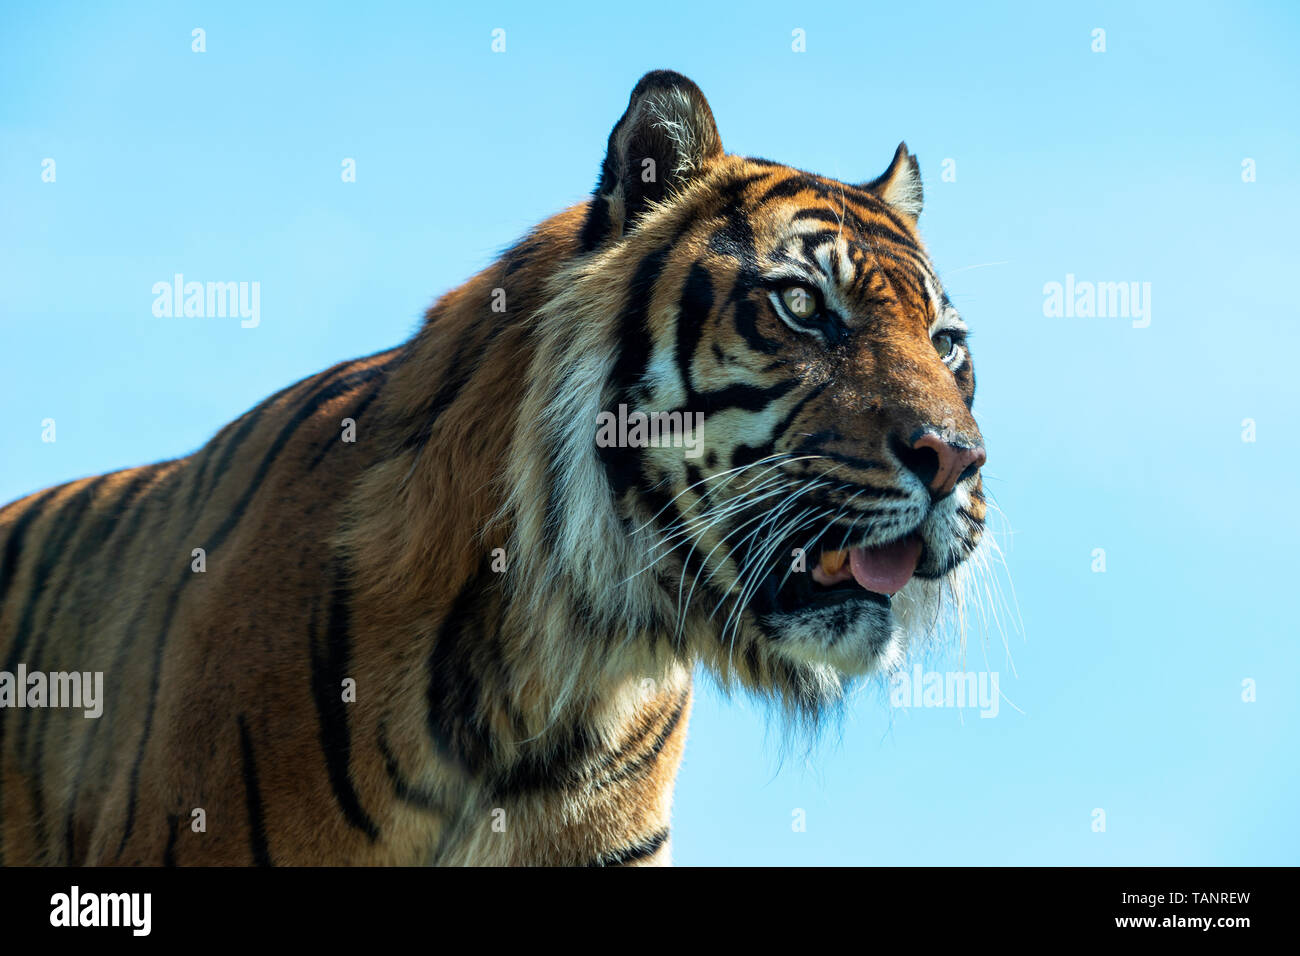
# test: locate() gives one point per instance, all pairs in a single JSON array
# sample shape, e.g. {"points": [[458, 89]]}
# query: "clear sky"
{"points": [[1117, 166]]}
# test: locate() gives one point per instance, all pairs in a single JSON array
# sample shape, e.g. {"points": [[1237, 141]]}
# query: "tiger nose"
{"points": [[940, 464]]}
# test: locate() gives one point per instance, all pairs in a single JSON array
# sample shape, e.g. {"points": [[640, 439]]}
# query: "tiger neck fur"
{"points": [[489, 515]]}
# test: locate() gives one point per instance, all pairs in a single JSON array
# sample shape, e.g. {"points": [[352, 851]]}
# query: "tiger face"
{"points": [[840, 456], [834, 485]]}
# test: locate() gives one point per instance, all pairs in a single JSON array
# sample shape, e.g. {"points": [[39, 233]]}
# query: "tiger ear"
{"points": [[900, 184], [662, 142]]}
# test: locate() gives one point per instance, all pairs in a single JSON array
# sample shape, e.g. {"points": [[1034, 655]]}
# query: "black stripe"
{"points": [[94, 533], [155, 677], [634, 344], [465, 668], [694, 309], [109, 523], [125, 537], [330, 661], [791, 187], [17, 535], [173, 826], [809, 242], [872, 202], [840, 194], [515, 263], [253, 797], [403, 789], [597, 224], [319, 398], [201, 488], [735, 238], [878, 231], [646, 760], [239, 431], [636, 851], [463, 366], [355, 414], [821, 214], [548, 766], [453, 690], [900, 280], [748, 454], [746, 313], [749, 398], [66, 521], [634, 339]]}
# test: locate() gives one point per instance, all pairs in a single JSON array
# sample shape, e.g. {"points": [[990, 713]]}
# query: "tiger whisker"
{"points": [[704, 563]]}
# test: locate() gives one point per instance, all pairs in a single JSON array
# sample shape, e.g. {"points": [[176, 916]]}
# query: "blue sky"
{"points": [[1115, 166]]}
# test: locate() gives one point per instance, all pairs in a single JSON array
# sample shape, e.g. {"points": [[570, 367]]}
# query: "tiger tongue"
{"points": [[886, 569]]}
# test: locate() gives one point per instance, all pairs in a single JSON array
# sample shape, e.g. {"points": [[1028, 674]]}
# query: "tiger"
{"points": [[411, 611]]}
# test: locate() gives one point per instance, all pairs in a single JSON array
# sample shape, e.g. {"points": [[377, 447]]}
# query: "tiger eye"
{"points": [[943, 344], [799, 301]]}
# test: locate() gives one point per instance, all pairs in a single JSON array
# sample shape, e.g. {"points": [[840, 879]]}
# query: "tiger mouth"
{"points": [[863, 574]]}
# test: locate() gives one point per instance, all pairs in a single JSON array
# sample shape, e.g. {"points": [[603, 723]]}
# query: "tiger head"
{"points": [[786, 470]]}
